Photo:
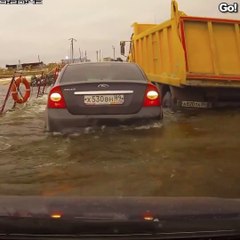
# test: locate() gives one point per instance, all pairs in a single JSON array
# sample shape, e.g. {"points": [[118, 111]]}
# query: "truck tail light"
{"points": [[152, 97], [55, 98]]}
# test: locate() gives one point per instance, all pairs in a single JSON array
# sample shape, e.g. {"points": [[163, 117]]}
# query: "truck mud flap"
{"points": [[226, 105]]}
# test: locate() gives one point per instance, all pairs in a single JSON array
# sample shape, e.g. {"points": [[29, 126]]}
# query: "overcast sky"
{"points": [[29, 30]]}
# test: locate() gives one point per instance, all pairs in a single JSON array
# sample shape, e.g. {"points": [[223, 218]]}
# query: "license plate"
{"points": [[103, 99], [195, 104]]}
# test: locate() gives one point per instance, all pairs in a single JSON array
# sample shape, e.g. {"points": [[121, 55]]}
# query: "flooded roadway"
{"points": [[185, 155]]}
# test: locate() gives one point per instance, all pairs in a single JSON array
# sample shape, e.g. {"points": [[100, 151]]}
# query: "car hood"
{"points": [[119, 216]]}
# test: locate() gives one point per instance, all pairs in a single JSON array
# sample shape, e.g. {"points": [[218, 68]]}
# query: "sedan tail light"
{"points": [[152, 97], [55, 98]]}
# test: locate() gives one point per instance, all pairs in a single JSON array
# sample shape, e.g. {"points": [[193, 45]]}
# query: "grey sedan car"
{"points": [[87, 94]]}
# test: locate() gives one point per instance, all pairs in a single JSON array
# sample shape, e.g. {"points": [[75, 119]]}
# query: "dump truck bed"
{"points": [[189, 51], [212, 48]]}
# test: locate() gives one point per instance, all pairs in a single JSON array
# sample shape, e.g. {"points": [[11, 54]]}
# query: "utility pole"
{"points": [[19, 66], [97, 55], [39, 58], [80, 55], [114, 56], [72, 49], [100, 55]]}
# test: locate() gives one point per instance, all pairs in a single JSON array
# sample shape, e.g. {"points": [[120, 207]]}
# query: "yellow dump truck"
{"points": [[195, 61]]}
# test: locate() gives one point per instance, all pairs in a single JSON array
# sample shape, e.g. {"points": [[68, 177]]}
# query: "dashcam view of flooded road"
{"points": [[184, 155]]}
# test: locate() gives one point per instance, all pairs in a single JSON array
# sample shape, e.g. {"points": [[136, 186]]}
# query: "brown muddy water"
{"points": [[184, 155]]}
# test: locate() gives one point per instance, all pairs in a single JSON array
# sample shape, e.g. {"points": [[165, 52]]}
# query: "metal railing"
{"points": [[41, 83], [7, 96]]}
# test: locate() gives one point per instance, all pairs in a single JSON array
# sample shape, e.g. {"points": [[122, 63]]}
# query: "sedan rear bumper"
{"points": [[58, 120]]}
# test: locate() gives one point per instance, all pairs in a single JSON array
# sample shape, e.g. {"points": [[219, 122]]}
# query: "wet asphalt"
{"points": [[186, 154]]}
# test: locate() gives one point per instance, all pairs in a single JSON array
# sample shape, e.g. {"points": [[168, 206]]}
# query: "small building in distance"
{"points": [[109, 59], [75, 60], [25, 66]]}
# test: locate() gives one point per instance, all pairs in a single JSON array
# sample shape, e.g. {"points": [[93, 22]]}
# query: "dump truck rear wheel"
{"points": [[168, 102]]}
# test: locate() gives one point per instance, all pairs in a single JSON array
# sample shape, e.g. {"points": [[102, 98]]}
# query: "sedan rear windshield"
{"points": [[93, 72]]}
